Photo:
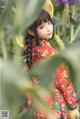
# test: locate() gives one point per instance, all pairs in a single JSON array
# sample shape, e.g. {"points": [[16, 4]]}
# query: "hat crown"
{"points": [[48, 6]]}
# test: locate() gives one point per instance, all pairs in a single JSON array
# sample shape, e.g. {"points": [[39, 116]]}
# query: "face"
{"points": [[45, 30]]}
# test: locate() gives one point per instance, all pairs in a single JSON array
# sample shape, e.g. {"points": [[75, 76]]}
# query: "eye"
{"points": [[41, 27], [49, 22]]}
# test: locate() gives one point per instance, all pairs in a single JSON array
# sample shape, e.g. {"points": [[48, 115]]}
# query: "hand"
{"points": [[35, 80], [26, 67], [73, 114]]}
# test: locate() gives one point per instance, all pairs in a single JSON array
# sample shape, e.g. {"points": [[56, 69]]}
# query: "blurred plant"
{"points": [[15, 16], [67, 23], [15, 84]]}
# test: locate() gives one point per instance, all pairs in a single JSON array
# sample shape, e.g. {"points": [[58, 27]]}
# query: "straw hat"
{"points": [[48, 6]]}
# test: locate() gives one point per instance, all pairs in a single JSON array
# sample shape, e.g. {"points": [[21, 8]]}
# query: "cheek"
{"points": [[51, 28], [40, 33]]}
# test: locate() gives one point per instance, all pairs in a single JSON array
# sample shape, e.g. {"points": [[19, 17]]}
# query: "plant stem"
{"points": [[3, 46]]}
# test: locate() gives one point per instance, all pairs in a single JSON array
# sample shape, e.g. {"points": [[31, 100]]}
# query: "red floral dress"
{"points": [[65, 96]]}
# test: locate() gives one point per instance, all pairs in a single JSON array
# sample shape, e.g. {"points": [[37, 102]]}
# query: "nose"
{"points": [[48, 28]]}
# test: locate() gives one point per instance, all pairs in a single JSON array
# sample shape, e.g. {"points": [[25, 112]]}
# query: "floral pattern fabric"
{"points": [[65, 95]]}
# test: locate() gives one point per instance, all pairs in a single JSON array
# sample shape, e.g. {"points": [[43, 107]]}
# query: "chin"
{"points": [[49, 37]]}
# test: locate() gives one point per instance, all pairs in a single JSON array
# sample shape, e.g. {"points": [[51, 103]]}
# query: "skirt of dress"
{"points": [[59, 107]]}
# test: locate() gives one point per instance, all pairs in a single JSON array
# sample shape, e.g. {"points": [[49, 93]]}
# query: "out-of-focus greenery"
{"points": [[15, 16], [67, 23]]}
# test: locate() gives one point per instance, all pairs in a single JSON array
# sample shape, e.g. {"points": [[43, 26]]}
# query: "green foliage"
{"points": [[15, 16], [67, 22]]}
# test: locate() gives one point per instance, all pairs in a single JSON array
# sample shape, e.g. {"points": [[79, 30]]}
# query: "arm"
{"points": [[63, 82], [65, 85]]}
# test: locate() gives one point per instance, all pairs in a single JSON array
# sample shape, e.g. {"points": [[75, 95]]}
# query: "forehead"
{"points": [[43, 18], [44, 22]]}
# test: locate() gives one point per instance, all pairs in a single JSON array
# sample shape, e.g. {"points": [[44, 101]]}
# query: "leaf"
{"points": [[25, 13], [59, 8], [59, 41], [14, 84], [7, 8], [73, 21]]}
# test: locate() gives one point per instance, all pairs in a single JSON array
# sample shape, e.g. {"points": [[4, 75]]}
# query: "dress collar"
{"points": [[42, 41]]}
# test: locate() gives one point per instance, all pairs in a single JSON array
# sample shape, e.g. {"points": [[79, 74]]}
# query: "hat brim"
{"points": [[20, 41]]}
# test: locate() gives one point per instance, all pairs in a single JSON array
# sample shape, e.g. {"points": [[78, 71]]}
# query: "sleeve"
{"points": [[64, 84]]}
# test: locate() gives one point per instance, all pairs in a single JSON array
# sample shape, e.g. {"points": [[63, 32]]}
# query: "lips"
{"points": [[49, 34]]}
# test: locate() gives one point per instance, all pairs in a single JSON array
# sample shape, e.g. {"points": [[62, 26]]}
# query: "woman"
{"points": [[37, 48]]}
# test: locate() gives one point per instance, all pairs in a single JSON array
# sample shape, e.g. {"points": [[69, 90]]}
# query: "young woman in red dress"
{"points": [[37, 47]]}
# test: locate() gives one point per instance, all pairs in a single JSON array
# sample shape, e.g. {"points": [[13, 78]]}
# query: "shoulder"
{"points": [[54, 50]]}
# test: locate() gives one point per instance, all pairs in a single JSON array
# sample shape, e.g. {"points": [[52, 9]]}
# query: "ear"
{"points": [[31, 32]]}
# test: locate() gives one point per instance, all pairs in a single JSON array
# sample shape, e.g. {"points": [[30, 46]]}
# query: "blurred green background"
{"points": [[15, 16]]}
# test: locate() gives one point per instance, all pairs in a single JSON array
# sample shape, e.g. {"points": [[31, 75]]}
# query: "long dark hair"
{"points": [[29, 39]]}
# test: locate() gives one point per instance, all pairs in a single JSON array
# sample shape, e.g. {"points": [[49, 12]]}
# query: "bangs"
{"points": [[43, 17]]}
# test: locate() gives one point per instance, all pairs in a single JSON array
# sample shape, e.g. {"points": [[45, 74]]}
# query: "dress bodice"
{"points": [[44, 50]]}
